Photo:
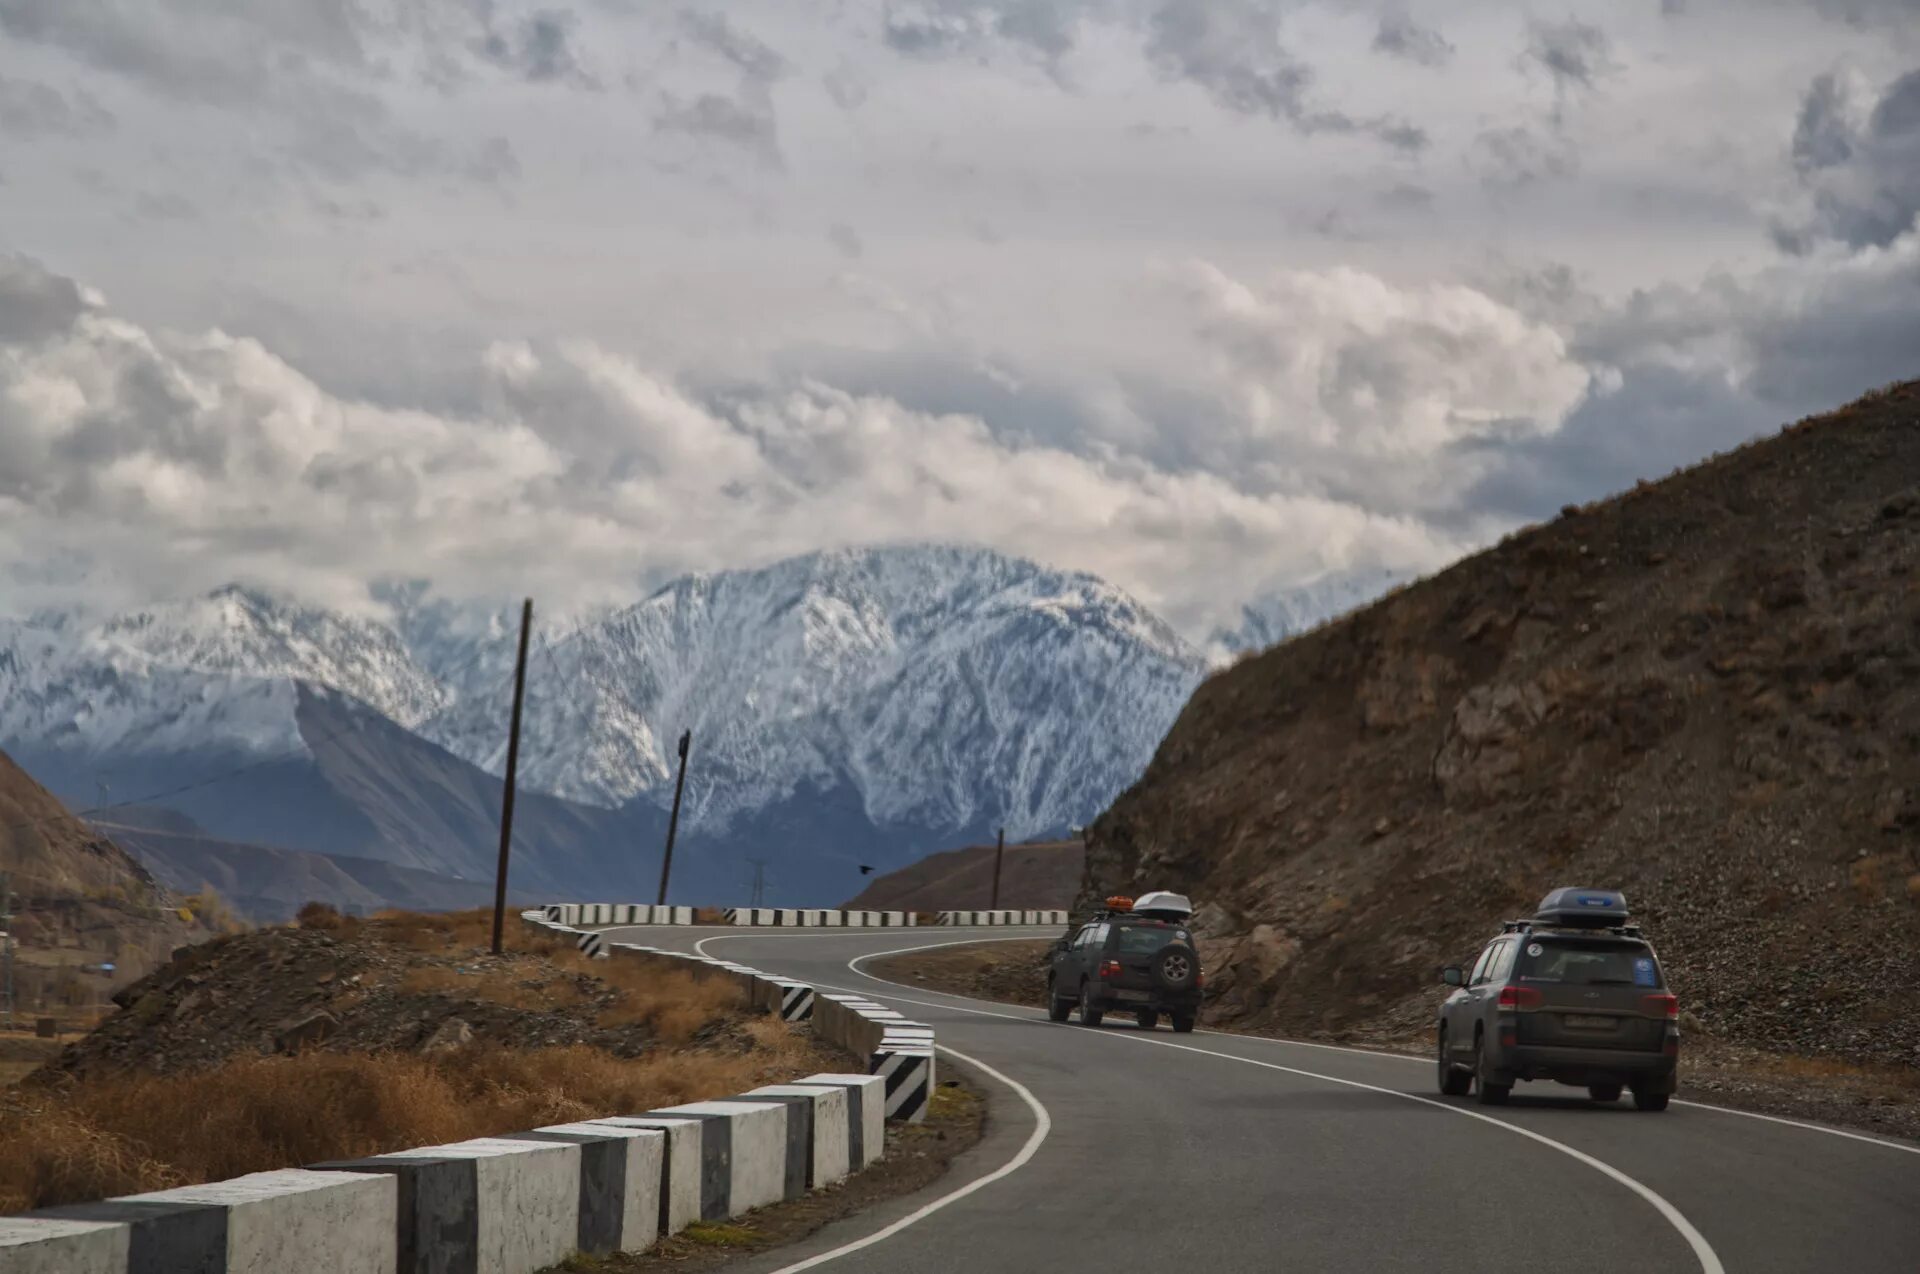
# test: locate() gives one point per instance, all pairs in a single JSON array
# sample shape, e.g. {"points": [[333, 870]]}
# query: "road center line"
{"points": [[1702, 1250], [1802, 1125]]}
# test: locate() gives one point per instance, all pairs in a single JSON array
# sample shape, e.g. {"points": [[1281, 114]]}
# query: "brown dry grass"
{"points": [[524, 989], [675, 1003], [125, 1134]]}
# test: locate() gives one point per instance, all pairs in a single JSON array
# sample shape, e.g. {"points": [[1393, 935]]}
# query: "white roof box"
{"points": [[1160, 902]]}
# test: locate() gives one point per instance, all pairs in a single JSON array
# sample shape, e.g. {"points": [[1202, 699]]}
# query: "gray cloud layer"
{"points": [[1861, 175], [1207, 296]]}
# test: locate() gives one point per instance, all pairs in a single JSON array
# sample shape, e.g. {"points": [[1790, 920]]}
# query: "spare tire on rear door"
{"points": [[1175, 967]]}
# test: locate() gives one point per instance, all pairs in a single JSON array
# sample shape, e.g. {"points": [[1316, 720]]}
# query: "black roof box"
{"points": [[1583, 909]]}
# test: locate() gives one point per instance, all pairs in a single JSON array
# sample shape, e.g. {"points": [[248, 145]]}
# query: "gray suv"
{"points": [[1127, 963], [1574, 995]]}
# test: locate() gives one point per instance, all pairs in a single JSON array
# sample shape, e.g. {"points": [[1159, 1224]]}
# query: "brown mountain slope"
{"points": [[1036, 876], [79, 901], [1705, 692]]}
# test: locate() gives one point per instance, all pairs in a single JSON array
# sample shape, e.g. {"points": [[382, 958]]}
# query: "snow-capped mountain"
{"points": [[272, 724], [853, 706], [209, 671], [945, 686], [1273, 619]]}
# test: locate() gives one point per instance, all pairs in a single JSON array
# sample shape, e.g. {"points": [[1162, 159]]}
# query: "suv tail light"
{"points": [[1111, 969], [1661, 1005], [1519, 998]]}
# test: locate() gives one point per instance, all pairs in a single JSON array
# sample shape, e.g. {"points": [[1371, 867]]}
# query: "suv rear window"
{"points": [[1146, 939], [1587, 963]]}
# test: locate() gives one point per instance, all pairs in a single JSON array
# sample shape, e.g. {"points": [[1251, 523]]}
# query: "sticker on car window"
{"points": [[1534, 949], [1643, 974]]}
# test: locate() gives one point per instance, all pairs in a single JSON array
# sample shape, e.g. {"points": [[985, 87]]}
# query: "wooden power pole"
{"points": [[999, 852], [513, 767], [673, 819]]}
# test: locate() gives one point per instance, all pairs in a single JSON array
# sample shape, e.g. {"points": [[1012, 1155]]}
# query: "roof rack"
{"points": [[1536, 926]]}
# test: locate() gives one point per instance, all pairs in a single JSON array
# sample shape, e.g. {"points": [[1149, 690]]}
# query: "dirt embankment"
{"points": [[1040, 875], [1705, 692], [291, 1046], [79, 903]]}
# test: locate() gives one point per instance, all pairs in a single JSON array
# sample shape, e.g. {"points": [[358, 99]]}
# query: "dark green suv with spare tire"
{"points": [[1143, 966]]}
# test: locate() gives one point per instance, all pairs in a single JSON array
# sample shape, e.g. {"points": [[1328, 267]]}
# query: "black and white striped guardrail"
{"points": [[862, 1027], [512, 1204], [522, 1202], [610, 914]]}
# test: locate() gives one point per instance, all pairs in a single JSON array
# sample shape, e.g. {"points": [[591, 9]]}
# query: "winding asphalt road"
{"points": [[1121, 1149]]}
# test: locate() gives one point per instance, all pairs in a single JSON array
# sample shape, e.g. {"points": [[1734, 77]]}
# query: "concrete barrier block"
{"points": [[55, 1245], [526, 1201], [866, 1113], [756, 1140], [620, 1171], [436, 1215], [833, 919], [830, 1129], [796, 1115], [682, 1166], [796, 1002], [855, 919], [909, 1077], [263, 1222]]}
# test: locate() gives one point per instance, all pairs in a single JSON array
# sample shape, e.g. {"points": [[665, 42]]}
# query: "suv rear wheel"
{"points": [[1454, 1082], [1089, 1016], [1488, 1094], [1058, 1010], [1182, 1022], [1649, 1101]]}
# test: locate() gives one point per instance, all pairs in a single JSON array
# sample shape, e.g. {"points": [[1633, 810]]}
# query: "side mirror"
{"points": [[1063, 944], [1453, 975]]}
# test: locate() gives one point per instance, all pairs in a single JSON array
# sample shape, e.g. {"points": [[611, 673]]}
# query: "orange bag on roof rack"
{"points": [[1119, 902]]}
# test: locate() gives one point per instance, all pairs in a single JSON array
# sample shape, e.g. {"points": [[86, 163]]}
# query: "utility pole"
{"points": [[673, 819], [759, 881], [6, 946], [513, 768], [999, 852]]}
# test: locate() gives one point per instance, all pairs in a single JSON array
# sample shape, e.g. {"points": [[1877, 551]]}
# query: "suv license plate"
{"points": [[1589, 1022], [1122, 994]]}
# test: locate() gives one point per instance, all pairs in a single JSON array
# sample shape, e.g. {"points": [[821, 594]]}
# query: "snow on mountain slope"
{"points": [[212, 673], [947, 685], [1272, 620]]}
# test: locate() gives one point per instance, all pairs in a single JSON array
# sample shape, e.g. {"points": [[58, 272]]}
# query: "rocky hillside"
{"points": [[1705, 691], [79, 902], [1033, 876]]}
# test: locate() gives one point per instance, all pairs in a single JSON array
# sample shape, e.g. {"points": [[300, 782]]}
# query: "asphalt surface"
{"points": [[1208, 1153]]}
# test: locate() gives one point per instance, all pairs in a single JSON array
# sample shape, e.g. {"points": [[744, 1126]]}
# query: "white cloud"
{"points": [[174, 462], [1368, 386], [578, 293]]}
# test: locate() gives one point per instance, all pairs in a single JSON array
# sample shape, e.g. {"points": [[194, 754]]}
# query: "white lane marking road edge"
{"points": [[1702, 1250], [1043, 1124], [1801, 1124]]}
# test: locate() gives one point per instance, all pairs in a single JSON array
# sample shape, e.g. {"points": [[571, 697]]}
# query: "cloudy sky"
{"points": [[1207, 296]]}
